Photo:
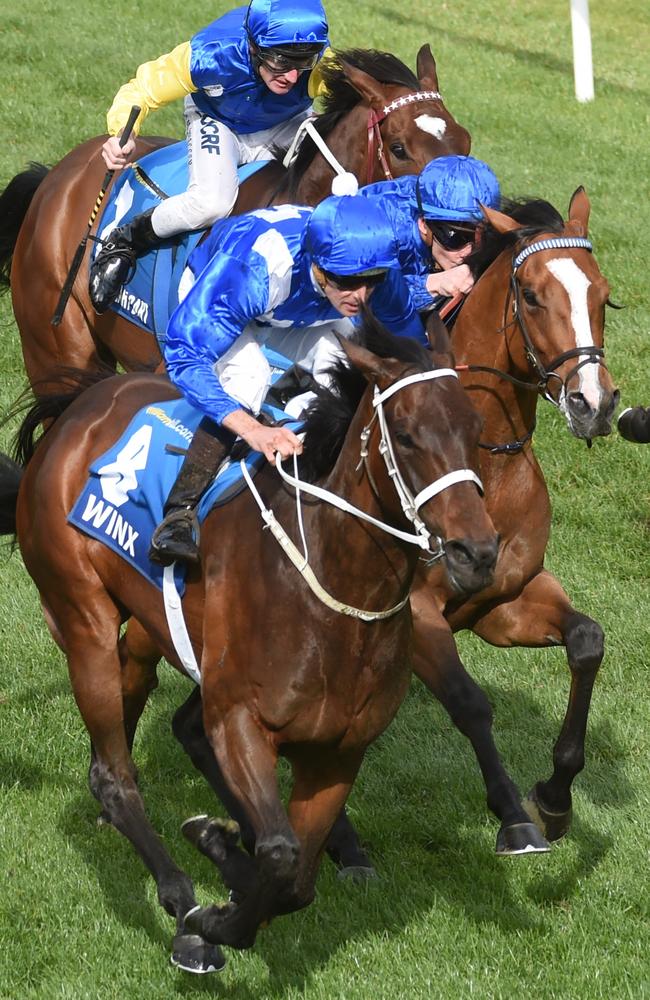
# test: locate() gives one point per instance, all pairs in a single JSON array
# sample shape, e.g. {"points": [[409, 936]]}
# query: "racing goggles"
{"points": [[350, 282], [452, 236], [279, 61]]}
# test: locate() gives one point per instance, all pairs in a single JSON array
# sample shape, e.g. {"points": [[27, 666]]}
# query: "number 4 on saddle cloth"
{"points": [[122, 501], [151, 295]]}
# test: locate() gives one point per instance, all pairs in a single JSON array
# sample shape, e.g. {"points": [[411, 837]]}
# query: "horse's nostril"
{"points": [[577, 403]]}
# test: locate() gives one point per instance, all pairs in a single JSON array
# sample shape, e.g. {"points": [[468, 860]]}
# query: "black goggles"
{"points": [[450, 235], [279, 61], [349, 282]]}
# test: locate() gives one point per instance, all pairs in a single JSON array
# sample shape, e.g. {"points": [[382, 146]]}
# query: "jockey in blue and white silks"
{"points": [[435, 216], [245, 83], [289, 278]]}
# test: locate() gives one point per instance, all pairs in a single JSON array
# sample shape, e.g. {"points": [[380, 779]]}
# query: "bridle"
{"points": [[590, 354], [375, 118], [410, 504]]}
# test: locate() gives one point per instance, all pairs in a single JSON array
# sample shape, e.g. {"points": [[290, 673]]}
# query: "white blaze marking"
{"points": [[576, 284], [434, 126]]}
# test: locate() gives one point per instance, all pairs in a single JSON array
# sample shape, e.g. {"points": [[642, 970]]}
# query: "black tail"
{"points": [[41, 411], [14, 202], [10, 476]]}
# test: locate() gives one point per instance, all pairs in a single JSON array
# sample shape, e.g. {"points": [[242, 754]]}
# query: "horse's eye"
{"points": [[398, 151], [404, 439], [530, 297]]}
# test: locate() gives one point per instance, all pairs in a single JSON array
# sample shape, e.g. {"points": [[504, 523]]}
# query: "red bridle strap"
{"points": [[375, 141]]}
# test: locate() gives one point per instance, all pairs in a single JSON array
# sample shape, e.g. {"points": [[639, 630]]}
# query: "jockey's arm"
{"points": [[227, 295], [155, 84], [392, 305]]}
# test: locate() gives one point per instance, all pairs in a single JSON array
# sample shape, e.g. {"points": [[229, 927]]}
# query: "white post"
{"points": [[583, 71]]}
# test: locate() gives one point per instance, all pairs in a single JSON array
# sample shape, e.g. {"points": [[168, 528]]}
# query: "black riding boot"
{"points": [[176, 537], [111, 267]]}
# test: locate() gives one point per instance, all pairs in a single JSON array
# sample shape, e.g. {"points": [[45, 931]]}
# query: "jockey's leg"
{"points": [[213, 155], [245, 375]]}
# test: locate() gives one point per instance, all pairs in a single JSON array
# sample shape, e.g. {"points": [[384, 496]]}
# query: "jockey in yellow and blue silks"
{"points": [[290, 278], [245, 84], [435, 216]]}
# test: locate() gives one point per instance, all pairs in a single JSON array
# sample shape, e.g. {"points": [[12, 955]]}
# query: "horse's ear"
{"points": [[438, 337], [579, 208], [364, 84], [371, 366], [426, 69], [499, 220]]}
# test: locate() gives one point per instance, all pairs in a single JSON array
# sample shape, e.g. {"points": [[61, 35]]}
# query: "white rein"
{"points": [[410, 504]]}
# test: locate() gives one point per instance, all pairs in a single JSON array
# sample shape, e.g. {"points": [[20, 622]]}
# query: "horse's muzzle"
{"points": [[587, 421], [470, 563]]}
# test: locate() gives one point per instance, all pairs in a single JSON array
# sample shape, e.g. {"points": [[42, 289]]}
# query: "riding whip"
{"points": [[81, 249]]}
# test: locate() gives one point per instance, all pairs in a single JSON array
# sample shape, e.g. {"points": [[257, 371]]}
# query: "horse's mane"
{"points": [[331, 413], [535, 215], [341, 97]]}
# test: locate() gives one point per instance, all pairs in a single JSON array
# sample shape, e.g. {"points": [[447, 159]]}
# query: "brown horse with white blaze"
{"points": [[379, 120], [319, 685]]}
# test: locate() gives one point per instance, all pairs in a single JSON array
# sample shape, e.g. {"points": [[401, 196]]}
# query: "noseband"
{"points": [[375, 118], [591, 355]]}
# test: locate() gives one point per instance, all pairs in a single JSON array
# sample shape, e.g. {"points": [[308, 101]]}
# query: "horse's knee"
{"points": [[585, 644]]}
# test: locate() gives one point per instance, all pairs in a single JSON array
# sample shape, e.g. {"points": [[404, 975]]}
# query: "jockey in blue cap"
{"points": [[436, 216], [245, 84], [290, 278]]}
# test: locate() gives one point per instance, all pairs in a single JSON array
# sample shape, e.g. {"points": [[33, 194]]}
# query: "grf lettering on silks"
{"points": [[209, 134]]}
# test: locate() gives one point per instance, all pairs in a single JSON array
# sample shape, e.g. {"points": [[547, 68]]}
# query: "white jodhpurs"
{"points": [[245, 373], [213, 153]]}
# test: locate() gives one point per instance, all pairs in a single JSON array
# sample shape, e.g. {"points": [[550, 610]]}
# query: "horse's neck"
{"points": [[487, 333]]}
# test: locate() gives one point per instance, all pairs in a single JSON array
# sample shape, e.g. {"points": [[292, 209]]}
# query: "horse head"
{"points": [[419, 447], [555, 316], [407, 121]]}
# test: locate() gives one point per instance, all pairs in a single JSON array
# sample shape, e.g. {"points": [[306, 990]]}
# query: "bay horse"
{"points": [[281, 672], [374, 105], [532, 327]]}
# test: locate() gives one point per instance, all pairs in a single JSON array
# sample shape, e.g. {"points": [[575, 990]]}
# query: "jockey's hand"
{"points": [[268, 440], [451, 282], [115, 156], [634, 424]]}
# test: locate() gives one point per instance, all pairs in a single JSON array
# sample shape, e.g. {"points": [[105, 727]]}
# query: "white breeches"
{"points": [[245, 373], [214, 153]]}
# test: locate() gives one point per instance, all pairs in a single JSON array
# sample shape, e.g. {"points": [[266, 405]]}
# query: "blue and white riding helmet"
{"points": [[450, 188], [351, 236], [295, 30]]}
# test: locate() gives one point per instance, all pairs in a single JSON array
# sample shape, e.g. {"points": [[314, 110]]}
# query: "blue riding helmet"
{"points": [[451, 187], [276, 24], [351, 236]]}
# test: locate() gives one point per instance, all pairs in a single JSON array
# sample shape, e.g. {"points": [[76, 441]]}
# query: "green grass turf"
{"points": [[78, 914]]}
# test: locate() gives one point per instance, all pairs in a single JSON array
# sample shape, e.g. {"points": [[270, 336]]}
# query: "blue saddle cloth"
{"points": [[151, 295], [122, 501]]}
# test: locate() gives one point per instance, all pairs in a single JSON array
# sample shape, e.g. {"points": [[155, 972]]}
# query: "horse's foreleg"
{"points": [[187, 726], [247, 758], [91, 642], [322, 782], [437, 663], [543, 616]]}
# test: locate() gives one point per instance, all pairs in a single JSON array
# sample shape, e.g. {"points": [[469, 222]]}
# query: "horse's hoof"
{"points": [[192, 954], [553, 825], [357, 873], [521, 838], [199, 829]]}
